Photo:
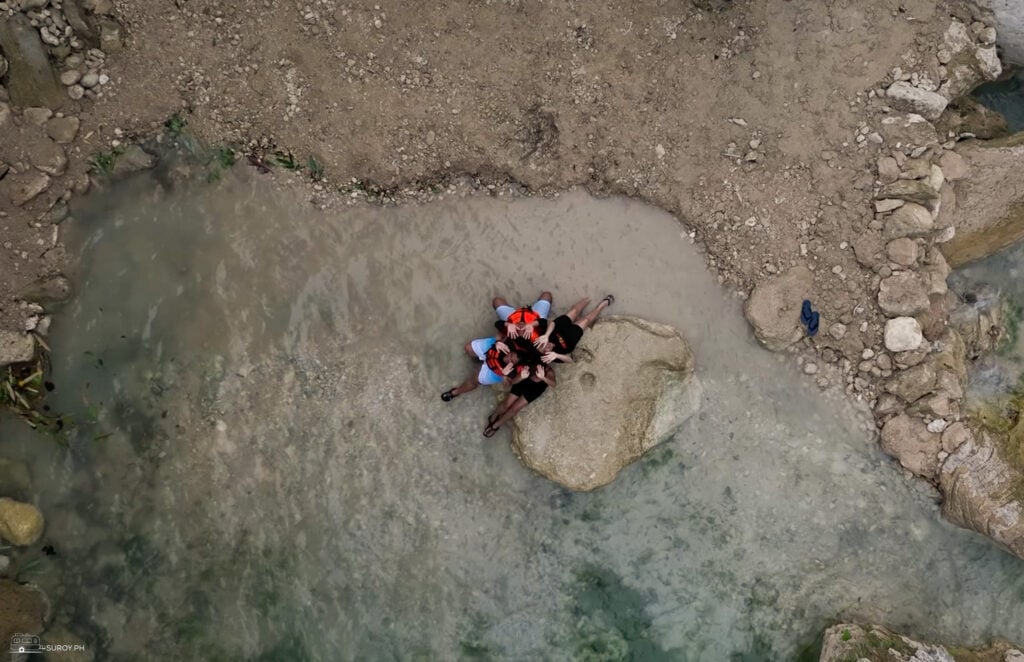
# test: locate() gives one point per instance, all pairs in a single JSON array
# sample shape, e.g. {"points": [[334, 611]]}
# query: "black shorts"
{"points": [[529, 389], [569, 332]]}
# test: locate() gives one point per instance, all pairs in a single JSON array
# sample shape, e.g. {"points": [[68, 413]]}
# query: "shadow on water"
{"points": [[267, 472], [1005, 97]]}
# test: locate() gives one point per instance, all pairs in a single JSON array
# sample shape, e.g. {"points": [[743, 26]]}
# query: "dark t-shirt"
{"points": [[566, 335], [529, 389]]}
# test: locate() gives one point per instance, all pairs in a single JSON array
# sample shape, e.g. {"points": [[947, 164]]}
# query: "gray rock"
{"points": [[902, 251], [90, 80], [912, 383], [48, 289], [23, 187], [885, 206], [21, 524], [954, 166], [916, 169], [887, 405], [30, 80], [16, 348], [909, 441], [911, 190], [888, 170], [70, 77], [37, 116], [101, 7], [868, 249], [936, 270], [132, 159], [76, 92], [904, 96], [640, 372], [62, 130], [910, 220], [903, 334], [15, 477], [3, 66], [903, 295], [910, 129], [81, 22], [47, 156], [954, 435], [111, 40], [979, 488], [847, 642], [5, 115], [773, 308], [1013, 655]]}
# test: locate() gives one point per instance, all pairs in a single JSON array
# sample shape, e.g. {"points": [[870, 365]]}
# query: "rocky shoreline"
{"points": [[893, 334]]}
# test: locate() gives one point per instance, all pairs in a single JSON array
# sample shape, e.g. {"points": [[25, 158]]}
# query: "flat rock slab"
{"points": [[632, 386], [30, 80]]}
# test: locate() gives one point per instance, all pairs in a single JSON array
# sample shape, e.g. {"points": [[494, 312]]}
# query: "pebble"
{"points": [[90, 80], [76, 92], [810, 368], [70, 77], [938, 425], [867, 354], [837, 330]]}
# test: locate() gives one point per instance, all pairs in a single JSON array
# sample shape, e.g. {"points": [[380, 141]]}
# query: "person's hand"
{"points": [[549, 357], [501, 347], [507, 369], [539, 371], [511, 330], [524, 371], [541, 341]]}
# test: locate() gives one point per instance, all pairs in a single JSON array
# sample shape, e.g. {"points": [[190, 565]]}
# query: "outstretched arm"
{"points": [[550, 357]]}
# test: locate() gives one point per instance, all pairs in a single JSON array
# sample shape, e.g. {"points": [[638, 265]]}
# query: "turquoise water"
{"points": [[262, 468]]}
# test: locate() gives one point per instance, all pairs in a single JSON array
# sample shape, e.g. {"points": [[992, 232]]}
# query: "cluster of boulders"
{"points": [[874, 643], [916, 376]]}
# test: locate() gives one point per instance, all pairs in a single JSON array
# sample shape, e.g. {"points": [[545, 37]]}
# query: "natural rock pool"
{"points": [[263, 466]]}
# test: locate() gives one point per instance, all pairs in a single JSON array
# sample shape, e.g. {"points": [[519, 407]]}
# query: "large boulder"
{"points": [[773, 308], [20, 523], [23, 609], [983, 491], [1009, 17], [848, 642], [632, 386], [30, 79], [909, 441], [16, 348], [989, 203]]}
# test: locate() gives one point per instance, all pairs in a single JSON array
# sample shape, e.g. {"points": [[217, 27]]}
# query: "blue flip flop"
{"points": [[812, 327], [805, 313]]}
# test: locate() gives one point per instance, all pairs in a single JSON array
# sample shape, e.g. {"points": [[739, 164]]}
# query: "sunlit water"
{"points": [[272, 473]]}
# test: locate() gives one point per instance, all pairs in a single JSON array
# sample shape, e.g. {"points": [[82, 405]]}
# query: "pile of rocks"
{"points": [[849, 641], [915, 376]]}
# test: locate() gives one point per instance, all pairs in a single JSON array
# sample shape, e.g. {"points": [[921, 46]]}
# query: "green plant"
{"points": [[104, 162], [846, 635], [286, 160], [222, 159], [316, 169], [1012, 313], [174, 125]]}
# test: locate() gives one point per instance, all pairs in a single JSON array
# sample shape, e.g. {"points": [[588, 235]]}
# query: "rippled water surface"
{"points": [[263, 468]]}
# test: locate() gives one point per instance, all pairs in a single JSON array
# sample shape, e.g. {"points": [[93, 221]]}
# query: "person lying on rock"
{"points": [[523, 322], [562, 335], [502, 361], [522, 393]]}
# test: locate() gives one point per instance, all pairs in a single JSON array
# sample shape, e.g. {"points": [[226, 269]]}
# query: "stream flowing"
{"points": [[262, 467]]}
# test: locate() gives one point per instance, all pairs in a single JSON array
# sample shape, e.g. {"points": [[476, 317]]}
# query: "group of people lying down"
{"points": [[524, 352]]}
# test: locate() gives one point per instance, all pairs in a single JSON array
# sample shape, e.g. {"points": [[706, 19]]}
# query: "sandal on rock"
{"points": [[610, 299], [447, 396], [490, 430]]}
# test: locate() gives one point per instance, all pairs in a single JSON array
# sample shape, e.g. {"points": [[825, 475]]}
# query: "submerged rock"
{"points": [[773, 308], [133, 159], [23, 609], [20, 523], [850, 642], [983, 491], [631, 388]]}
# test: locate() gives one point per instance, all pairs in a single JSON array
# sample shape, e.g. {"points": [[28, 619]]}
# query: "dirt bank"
{"points": [[720, 112]]}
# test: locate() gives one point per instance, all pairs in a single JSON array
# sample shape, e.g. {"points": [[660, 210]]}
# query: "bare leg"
{"points": [[577, 308], [511, 412], [469, 350], [502, 407], [465, 387], [499, 301], [589, 318]]}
